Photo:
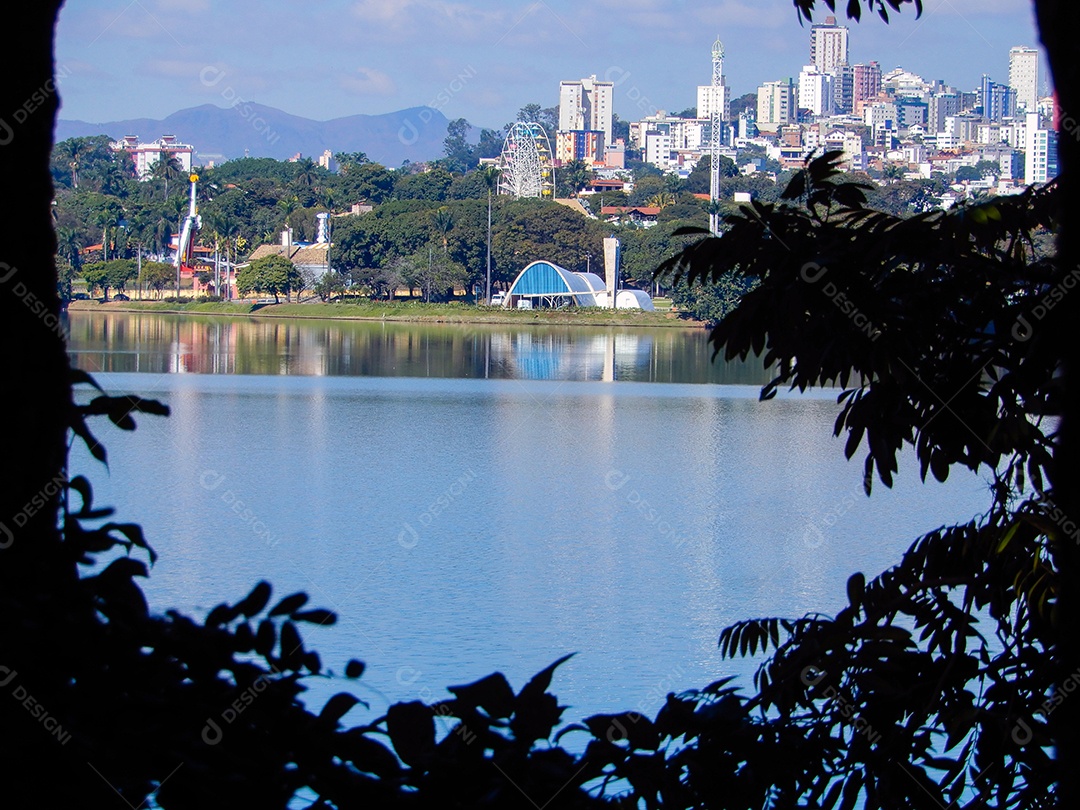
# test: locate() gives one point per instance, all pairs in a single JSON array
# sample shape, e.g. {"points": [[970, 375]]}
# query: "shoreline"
{"points": [[411, 312]]}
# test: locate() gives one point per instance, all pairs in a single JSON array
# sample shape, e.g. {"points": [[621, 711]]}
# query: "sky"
{"points": [[480, 59]]}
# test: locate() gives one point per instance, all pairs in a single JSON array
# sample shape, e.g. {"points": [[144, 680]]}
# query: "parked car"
{"points": [[80, 297], [498, 299], [120, 297]]}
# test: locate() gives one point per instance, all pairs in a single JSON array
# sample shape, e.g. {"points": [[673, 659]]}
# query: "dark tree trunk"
{"points": [[41, 607], [1059, 26], [37, 388]]}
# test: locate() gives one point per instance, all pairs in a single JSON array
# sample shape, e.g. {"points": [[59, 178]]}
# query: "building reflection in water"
{"points": [[154, 343]]}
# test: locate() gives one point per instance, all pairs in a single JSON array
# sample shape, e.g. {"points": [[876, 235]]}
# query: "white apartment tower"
{"points": [[828, 45], [775, 105], [586, 104], [1024, 77], [1040, 152], [709, 97], [816, 92]]}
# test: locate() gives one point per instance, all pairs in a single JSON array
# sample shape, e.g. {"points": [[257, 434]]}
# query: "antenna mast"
{"points": [[716, 107]]}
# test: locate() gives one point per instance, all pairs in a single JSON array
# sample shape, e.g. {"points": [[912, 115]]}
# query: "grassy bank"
{"points": [[402, 311]]}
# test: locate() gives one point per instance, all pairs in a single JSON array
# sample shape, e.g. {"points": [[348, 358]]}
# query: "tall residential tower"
{"points": [[1024, 77], [828, 45], [586, 105]]}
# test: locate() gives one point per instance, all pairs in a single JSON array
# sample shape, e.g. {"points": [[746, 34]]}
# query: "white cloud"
{"points": [[408, 18], [369, 82]]}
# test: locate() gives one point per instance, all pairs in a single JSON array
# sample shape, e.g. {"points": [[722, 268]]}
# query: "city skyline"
{"points": [[482, 61]]}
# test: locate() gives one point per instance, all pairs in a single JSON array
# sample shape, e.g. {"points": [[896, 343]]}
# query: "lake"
{"points": [[479, 498]]}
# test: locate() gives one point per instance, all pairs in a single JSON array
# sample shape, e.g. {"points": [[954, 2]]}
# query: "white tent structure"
{"points": [[627, 299]]}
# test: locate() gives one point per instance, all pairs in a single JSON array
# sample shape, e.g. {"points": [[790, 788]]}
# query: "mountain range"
{"points": [[221, 133]]}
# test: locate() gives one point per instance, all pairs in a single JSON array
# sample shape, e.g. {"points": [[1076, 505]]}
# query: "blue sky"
{"points": [[479, 59]]}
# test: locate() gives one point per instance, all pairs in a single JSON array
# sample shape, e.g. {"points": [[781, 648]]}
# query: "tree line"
{"points": [[427, 230]]}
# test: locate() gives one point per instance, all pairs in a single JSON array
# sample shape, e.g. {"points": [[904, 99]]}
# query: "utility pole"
{"points": [[487, 288]]}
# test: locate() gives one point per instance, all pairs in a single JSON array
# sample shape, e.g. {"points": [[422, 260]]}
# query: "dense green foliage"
{"points": [[271, 275], [110, 275], [932, 681], [713, 302]]}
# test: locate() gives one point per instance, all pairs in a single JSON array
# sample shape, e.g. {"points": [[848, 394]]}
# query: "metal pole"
{"points": [[179, 236], [487, 289]]}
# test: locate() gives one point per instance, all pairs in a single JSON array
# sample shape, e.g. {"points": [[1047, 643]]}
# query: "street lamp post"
{"points": [[487, 289]]}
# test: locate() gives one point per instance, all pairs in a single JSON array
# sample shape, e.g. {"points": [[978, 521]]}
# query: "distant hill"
{"points": [[415, 134]]}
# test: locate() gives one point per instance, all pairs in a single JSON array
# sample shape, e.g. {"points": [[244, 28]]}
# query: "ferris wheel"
{"points": [[525, 167]]}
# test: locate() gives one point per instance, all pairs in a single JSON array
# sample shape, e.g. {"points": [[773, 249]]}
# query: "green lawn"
{"points": [[402, 311]]}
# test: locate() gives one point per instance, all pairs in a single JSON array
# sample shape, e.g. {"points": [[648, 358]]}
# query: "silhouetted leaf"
{"points": [[411, 727], [354, 669], [265, 637], [492, 694], [337, 706], [255, 601], [316, 616], [289, 604]]}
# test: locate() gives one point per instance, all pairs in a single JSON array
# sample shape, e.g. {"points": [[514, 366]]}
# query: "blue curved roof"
{"points": [[545, 278]]}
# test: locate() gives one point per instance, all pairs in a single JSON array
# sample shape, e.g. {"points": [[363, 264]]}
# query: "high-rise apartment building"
{"points": [[586, 104], [828, 45], [1040, 152], [816, 92], [843, 89], [709, 96], [881, 118], [939, 107], [998, 100], [1024, 77], [865, 84], [776, 105]]}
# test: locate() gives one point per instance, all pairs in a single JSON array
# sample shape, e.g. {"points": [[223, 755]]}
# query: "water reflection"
{"points": [[176, 344]]}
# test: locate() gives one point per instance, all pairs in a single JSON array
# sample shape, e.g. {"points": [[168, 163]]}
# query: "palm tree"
{"points": [[167, 168], [490, 175], [662, 199], [160, 236], [306, 173], [71, 152], [69, 246], [287, 206], [576, 175], [442, 220], [105, 219], [327, 197]]}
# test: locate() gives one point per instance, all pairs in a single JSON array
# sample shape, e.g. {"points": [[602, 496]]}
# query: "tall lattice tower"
{"points": [[715, 125]]}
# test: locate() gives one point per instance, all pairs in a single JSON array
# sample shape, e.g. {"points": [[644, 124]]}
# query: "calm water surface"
{"points": [[476, 499]]}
